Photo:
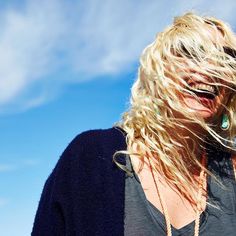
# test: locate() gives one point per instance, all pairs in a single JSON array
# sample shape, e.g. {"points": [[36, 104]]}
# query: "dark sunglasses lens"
{"points": [[230, 51], [185, 51]]}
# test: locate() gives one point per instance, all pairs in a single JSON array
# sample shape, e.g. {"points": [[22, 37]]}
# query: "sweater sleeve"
{"points": [[84, 194], [54, 214], [49, 219]]}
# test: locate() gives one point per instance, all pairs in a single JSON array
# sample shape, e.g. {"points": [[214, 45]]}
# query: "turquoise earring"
{"points": [[225, 122]]}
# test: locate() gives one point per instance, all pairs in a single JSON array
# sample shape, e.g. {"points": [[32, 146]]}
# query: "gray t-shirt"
{"points": [[142, 218]]}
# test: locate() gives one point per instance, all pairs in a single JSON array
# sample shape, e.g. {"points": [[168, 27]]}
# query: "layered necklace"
{"points": [[199, 208]]}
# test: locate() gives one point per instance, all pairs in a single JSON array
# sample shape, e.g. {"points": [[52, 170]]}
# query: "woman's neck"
{"points": [[194, 144]]}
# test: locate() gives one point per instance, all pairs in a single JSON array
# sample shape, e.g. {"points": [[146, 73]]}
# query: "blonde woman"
{"points": [[167, 168]]}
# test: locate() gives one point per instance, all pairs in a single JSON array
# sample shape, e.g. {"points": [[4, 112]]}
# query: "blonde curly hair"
{"points": [[156, 97]]}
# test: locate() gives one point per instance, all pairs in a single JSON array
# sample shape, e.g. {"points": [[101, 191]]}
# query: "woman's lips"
{"points": [[200, 104], [204, 102]]}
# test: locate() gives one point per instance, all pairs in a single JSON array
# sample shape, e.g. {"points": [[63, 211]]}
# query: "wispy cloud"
{"points": [[30, 162], [18, 165], [28, 43], [7, 168], [3, 202], [43, 46]]}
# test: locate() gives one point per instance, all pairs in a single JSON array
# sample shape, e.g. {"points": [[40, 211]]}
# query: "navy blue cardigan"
{"points": [[84, 195]]}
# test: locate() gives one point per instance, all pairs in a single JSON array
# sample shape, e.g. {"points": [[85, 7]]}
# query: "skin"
{"points": [[180, 210], [210, 110]]}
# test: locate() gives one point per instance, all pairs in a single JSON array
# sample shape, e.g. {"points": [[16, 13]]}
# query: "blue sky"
{"points": [[66, 67]]}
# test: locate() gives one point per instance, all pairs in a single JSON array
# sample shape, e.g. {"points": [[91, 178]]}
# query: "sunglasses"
{"points": [[230, 51]]}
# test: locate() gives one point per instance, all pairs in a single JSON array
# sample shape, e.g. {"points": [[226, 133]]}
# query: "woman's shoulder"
{"points": [[97, 137], [89, 150], [114, 132], [95, 142]]}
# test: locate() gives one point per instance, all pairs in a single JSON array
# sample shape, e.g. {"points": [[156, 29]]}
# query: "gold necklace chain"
{"points": [[201, 187]]}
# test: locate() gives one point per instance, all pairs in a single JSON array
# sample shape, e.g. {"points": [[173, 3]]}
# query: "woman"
{"points": [[174, 147]]}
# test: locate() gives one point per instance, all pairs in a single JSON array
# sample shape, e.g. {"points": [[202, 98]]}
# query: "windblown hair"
{"points": [[156, 108]]}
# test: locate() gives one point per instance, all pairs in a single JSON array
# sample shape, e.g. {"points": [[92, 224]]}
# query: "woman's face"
{"points": [[208, 107]]}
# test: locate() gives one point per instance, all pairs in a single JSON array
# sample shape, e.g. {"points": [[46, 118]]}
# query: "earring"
{"points": [[225, 122]]}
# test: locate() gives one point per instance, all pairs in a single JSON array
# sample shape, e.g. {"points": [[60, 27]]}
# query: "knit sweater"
{"points": [[84, 194]]}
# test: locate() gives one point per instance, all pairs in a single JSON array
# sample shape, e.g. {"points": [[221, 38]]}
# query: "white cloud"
{"points": [[43, 46], [28, 43]]}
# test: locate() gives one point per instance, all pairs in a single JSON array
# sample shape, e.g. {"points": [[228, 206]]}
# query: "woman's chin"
{"points": [[201, 107]]}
